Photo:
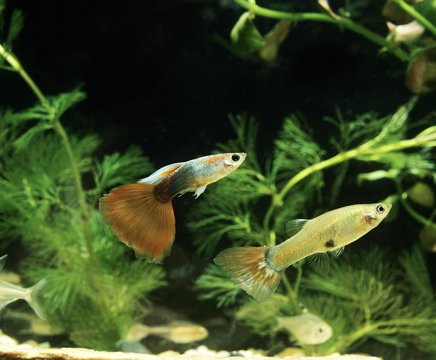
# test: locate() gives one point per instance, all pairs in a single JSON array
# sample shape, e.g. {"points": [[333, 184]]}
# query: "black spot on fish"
{"points": [[330, 244]]}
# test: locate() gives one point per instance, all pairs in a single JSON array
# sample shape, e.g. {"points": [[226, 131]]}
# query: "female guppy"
{"points": [[142, 214], [257, 270]]}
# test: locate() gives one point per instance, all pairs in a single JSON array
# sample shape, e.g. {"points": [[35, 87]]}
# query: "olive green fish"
{"points": [[180, 332], [307, 328], [258, 270]]}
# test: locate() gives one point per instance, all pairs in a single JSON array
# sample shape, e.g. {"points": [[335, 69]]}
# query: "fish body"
{"points": [[307, 328], [180, 332], [10, 293], [257, 270], [142, 215], [35, 326]]}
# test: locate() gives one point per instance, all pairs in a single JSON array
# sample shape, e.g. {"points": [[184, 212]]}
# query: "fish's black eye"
{"points": [[380, 208], [235, 157]]}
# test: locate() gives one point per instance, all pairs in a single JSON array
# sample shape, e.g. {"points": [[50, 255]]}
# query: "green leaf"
{"points": [[119, 168], [2, 9], [244, 36], [15, 26], [428, 9], [215, 284], [25, 138], [64, 101]]}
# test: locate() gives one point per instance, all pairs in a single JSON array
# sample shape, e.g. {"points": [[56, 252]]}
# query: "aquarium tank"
{"points": [[333, 103]]}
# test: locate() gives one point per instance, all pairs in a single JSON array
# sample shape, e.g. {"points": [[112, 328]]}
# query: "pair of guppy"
{"points": [[142, 216]]}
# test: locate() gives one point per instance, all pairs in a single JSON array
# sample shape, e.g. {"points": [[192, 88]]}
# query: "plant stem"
{"points": [[341, 21], [412, 212], [293, 299], [13, 61], [360, 151], [59, 129], [416, 15]]}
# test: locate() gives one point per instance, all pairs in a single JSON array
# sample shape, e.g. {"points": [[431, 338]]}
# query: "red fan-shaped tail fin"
{"points": [[140, 220]]}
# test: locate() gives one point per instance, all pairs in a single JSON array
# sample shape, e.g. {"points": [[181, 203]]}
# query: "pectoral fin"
{"points": [[337, 252], [320, 262], [199, 191]]}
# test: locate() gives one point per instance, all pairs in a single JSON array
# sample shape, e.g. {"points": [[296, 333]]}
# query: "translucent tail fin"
{"points": [[140, 220], [34, 298], [249, 269]]}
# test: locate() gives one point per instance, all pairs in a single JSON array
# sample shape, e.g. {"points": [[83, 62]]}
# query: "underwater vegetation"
{"points": [[392, 293], [409, 35], [51, 181], [92, 289], [366, 294]]}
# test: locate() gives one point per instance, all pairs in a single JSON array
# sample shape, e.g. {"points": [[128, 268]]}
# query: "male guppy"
{"points": [[257, 270], [142, 214]]}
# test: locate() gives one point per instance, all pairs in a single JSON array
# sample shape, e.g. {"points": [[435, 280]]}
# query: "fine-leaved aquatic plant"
{"points": [[254, 205], [410, 33], [93, 290]]}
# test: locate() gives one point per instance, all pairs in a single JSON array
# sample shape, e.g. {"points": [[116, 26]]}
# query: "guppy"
{"points": [[142, 215], [257, 270], [10, 293]]}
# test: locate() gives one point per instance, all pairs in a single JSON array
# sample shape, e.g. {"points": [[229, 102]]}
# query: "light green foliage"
{"points": [[94, 295], [218, 286], [391, 301], [363, 295], [93, 290]]}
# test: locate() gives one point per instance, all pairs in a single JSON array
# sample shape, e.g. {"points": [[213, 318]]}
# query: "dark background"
{"points": [[157, 77]]}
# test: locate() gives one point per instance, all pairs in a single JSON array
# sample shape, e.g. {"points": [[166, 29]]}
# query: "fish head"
{"points": [[307, 328], [319, 334], [375, 213], [227, 163]]}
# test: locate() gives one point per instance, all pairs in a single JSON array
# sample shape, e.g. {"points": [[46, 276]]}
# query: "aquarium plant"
{"points": [[392, 296], [409, 32], [50, 183]]}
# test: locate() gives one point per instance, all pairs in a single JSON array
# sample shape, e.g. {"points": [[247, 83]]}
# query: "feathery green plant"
{"points": [[290, 185], [93, 290]]}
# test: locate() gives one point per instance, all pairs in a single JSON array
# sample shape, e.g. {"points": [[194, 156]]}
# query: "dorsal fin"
{"points": [[161, 174], [294, 226]]}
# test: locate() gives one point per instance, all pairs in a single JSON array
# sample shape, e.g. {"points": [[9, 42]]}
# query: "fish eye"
{"points": [[380, 208], [235, 157]]}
